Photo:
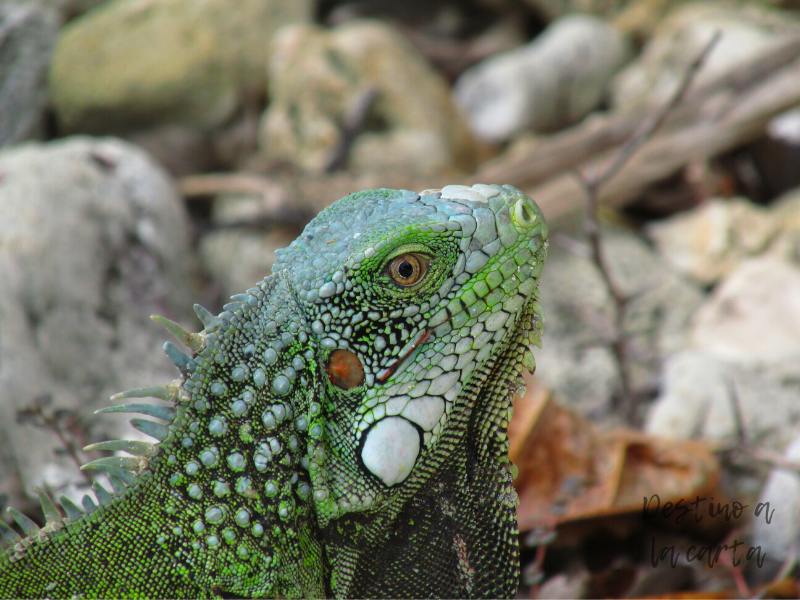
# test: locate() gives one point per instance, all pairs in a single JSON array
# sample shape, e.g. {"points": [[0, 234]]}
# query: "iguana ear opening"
{"points": [[344, 369]]}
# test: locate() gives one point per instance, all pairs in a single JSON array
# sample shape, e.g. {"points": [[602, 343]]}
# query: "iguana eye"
{"points": [[408, 269]]}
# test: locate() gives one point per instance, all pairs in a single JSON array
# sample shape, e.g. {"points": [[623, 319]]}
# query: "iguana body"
{"points": [[340, 429]]}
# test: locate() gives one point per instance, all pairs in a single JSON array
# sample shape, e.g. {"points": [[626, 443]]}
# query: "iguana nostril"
{"points": [[344, 369], [524, 213]]}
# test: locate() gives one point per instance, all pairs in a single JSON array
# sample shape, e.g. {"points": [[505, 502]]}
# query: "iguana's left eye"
{"points": [[408, 269]]}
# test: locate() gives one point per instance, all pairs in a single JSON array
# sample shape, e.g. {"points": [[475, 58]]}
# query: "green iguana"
{"points": [[339, 430]]}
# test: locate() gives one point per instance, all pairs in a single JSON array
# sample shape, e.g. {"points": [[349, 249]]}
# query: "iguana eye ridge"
{"points": [[408, 269]]}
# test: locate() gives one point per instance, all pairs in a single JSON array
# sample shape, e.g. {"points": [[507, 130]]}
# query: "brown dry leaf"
{"points": [[568, 470]]}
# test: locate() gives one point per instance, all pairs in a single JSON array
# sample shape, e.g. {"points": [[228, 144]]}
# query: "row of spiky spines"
{"points": [[12, 543], [120, 470]]}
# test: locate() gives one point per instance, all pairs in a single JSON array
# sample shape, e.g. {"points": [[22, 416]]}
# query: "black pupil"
{"points": [[406, 269]]}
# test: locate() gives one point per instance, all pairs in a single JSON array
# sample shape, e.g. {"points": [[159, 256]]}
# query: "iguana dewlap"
{"points": [[339, 430]]}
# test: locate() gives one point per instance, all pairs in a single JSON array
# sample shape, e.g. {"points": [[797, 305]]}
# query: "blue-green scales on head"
{"points": [[339, 429]]}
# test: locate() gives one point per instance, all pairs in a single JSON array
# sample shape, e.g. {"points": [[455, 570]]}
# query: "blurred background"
{"points": [[156, 153]]}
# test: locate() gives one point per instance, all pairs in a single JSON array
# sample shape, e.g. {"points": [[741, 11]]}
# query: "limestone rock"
{"points": [[317, 75], [753, 317], [140, 63], [93, 240], [746, 29], [27, 36], [780, 538], [708, 243], [699, 389], [745, 352], [554, 81], [690, 382], [576, 359]]}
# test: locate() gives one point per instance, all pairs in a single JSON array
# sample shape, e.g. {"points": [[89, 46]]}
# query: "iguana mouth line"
{"points": [[422, 336]]}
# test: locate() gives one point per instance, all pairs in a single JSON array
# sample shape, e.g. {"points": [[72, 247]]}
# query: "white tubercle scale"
{"points": [[391, 449]]}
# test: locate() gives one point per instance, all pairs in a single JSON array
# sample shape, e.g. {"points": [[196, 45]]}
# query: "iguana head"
{"points": [[410, 299]]}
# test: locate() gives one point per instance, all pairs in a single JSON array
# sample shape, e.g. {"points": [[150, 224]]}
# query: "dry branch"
{"points": [[716, 116], [592, 182]]}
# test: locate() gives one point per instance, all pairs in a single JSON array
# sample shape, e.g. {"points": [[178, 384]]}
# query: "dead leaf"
{"points": [[569, 470]]}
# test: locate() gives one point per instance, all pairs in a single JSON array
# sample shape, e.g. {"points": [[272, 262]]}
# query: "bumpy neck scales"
{"points": [[339, 429]]}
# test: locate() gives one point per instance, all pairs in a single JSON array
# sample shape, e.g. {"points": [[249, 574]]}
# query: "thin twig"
{"points": [[770, 458], [649, 125], [591, 184], [736, 406], [51, 421], [749, 451]]}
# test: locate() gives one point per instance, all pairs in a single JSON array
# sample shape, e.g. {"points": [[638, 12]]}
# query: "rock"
{"points": [[690, 382], [753, 317], [745, 353], [186, 62], [699, 391], [93, 240], [780, 537], [708, 243], [316, 76], [746, 29], [566, 585], [576, 359], [554, 81], [27, 36]]}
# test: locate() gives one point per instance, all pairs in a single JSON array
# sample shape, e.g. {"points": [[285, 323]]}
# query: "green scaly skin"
{"points": [[284, 473]]}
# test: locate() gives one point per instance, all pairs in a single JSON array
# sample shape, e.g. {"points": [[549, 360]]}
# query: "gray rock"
{"points": [[554, 81], [576, 359], [691, 381], [709, 242], [781, 537], [746, 29], [753, 317], [28, 33], [316, 78], [93, 240], [167, 61], [699, 392], [746, 345]]}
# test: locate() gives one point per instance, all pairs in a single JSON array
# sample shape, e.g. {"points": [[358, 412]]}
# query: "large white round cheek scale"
{"points": [[391, 449]]}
